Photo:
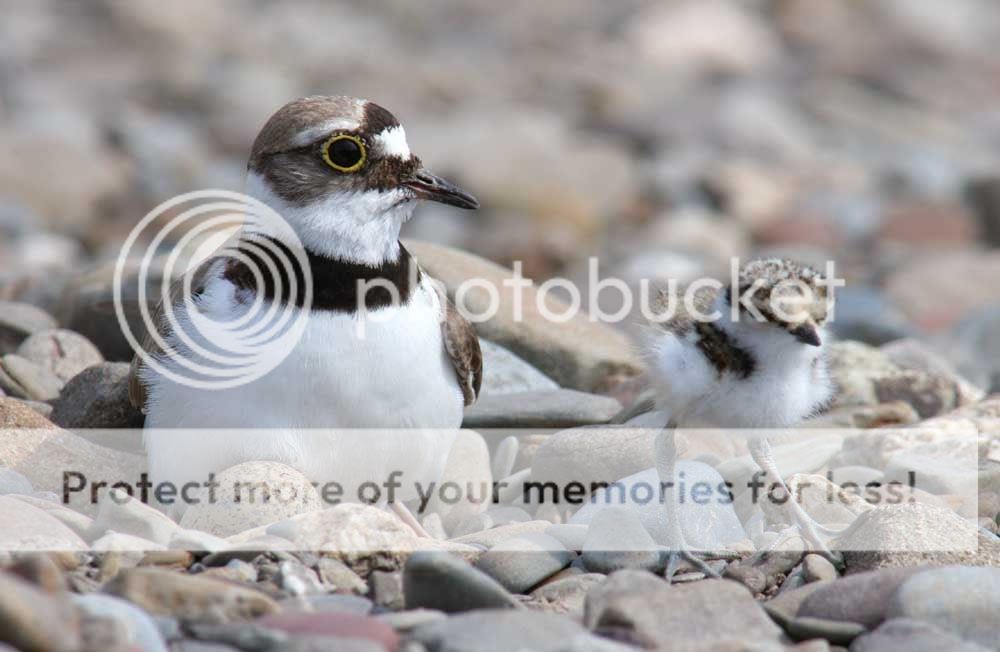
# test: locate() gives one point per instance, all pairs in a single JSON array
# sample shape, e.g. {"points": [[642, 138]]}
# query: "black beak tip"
{"points": [[807, 335], [431, 187]]}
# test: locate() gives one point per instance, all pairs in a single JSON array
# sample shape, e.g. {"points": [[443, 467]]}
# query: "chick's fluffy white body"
{"points": [[789, 382]]}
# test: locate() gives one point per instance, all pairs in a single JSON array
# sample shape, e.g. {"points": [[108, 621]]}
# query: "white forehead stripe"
{"points": [[393, 142], [314, 133]]}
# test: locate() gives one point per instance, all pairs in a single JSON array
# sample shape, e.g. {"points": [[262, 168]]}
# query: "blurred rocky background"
{"points": [[663, 137]]}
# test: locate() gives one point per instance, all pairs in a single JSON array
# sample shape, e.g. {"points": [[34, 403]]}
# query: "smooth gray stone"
{"points": [[507, 373], [861, 598], [838, 632], [709, 526], [492, 518], [557, 408], [63, 352], [37, 382], [329, 603], [621, 582], [404, 621], [912, 636], [962, 600], [435, 580], [386, 589], [97, 397], [522, 562], [709, 613], [498, 631], [12, 482], [617, 540], [20, 320], [569, 594]]}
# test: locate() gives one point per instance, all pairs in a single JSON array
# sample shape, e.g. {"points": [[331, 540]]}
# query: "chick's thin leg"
{"points": [[808, 528], [666, 456]]}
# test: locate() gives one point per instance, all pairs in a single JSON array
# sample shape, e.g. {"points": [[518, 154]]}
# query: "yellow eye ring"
{"points": [[345, 158]]}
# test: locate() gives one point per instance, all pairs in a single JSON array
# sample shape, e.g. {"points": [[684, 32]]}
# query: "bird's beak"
{"points": [[807, 334], [430, 186]]}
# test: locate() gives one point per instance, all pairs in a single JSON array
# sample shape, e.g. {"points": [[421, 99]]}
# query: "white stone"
{"points": [[250, 495]]}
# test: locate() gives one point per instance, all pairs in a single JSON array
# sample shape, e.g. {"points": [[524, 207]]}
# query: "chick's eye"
{"points": [[344, 153]]}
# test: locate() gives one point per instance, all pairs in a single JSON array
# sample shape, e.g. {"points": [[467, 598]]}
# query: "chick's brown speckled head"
{"points": [[317, 146], [784, 294]]}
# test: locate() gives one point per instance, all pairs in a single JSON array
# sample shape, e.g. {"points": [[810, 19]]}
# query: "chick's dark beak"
{"points": [[807, 334], [430, 186]]}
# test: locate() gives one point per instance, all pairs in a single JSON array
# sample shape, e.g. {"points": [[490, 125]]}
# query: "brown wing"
{"points": [[136, 388], [462, 345]]}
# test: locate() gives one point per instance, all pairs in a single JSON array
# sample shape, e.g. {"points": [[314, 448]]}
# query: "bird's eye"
{"points": [[344, 153]]}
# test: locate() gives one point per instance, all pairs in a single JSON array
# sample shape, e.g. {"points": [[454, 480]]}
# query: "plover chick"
{"points": [[339, 171], [758, 367]]}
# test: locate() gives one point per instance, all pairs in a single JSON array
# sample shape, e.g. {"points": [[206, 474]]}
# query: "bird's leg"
{"points": [[666, 455], [405, 515], [760, 451]]}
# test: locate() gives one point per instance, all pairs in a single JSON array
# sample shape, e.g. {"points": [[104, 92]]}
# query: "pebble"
{"points": [[761, 570], [336, 573], [121, 513], [184, 539], [556, 408], [189, 598], [499, 631], [506, 373], [140, 629], [495, 517], [12, 482], [913, 534], [486, 539], [578, 354], [18, 321], [468, 467], [38, 451], [834, 631], [28, 616], [386, 589], [912, 636], [468, 587], [26, 527], [861, 598], [335, 625], [567, 595], [570, 535], [297, 579], [711, 613], [961, 600], [97, 397], [329, 603], [271, 492], [817, 568], [617, 540], [404, 621], [504, 457], [708, 522], [61, 351], [29, 380], [522, 562], [592, 455]]}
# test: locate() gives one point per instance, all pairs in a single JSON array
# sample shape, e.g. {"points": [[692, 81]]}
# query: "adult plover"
{"points": [[340, 172], [765, 368]]}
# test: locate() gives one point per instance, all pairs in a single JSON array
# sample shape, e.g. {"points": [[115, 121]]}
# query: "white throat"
{"points": [[358, 227]]}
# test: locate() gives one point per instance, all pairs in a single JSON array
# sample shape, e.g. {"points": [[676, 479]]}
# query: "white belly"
{"points": [[392, 374]]}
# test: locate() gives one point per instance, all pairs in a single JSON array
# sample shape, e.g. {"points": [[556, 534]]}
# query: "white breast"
{"points": [[393, 373]]}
